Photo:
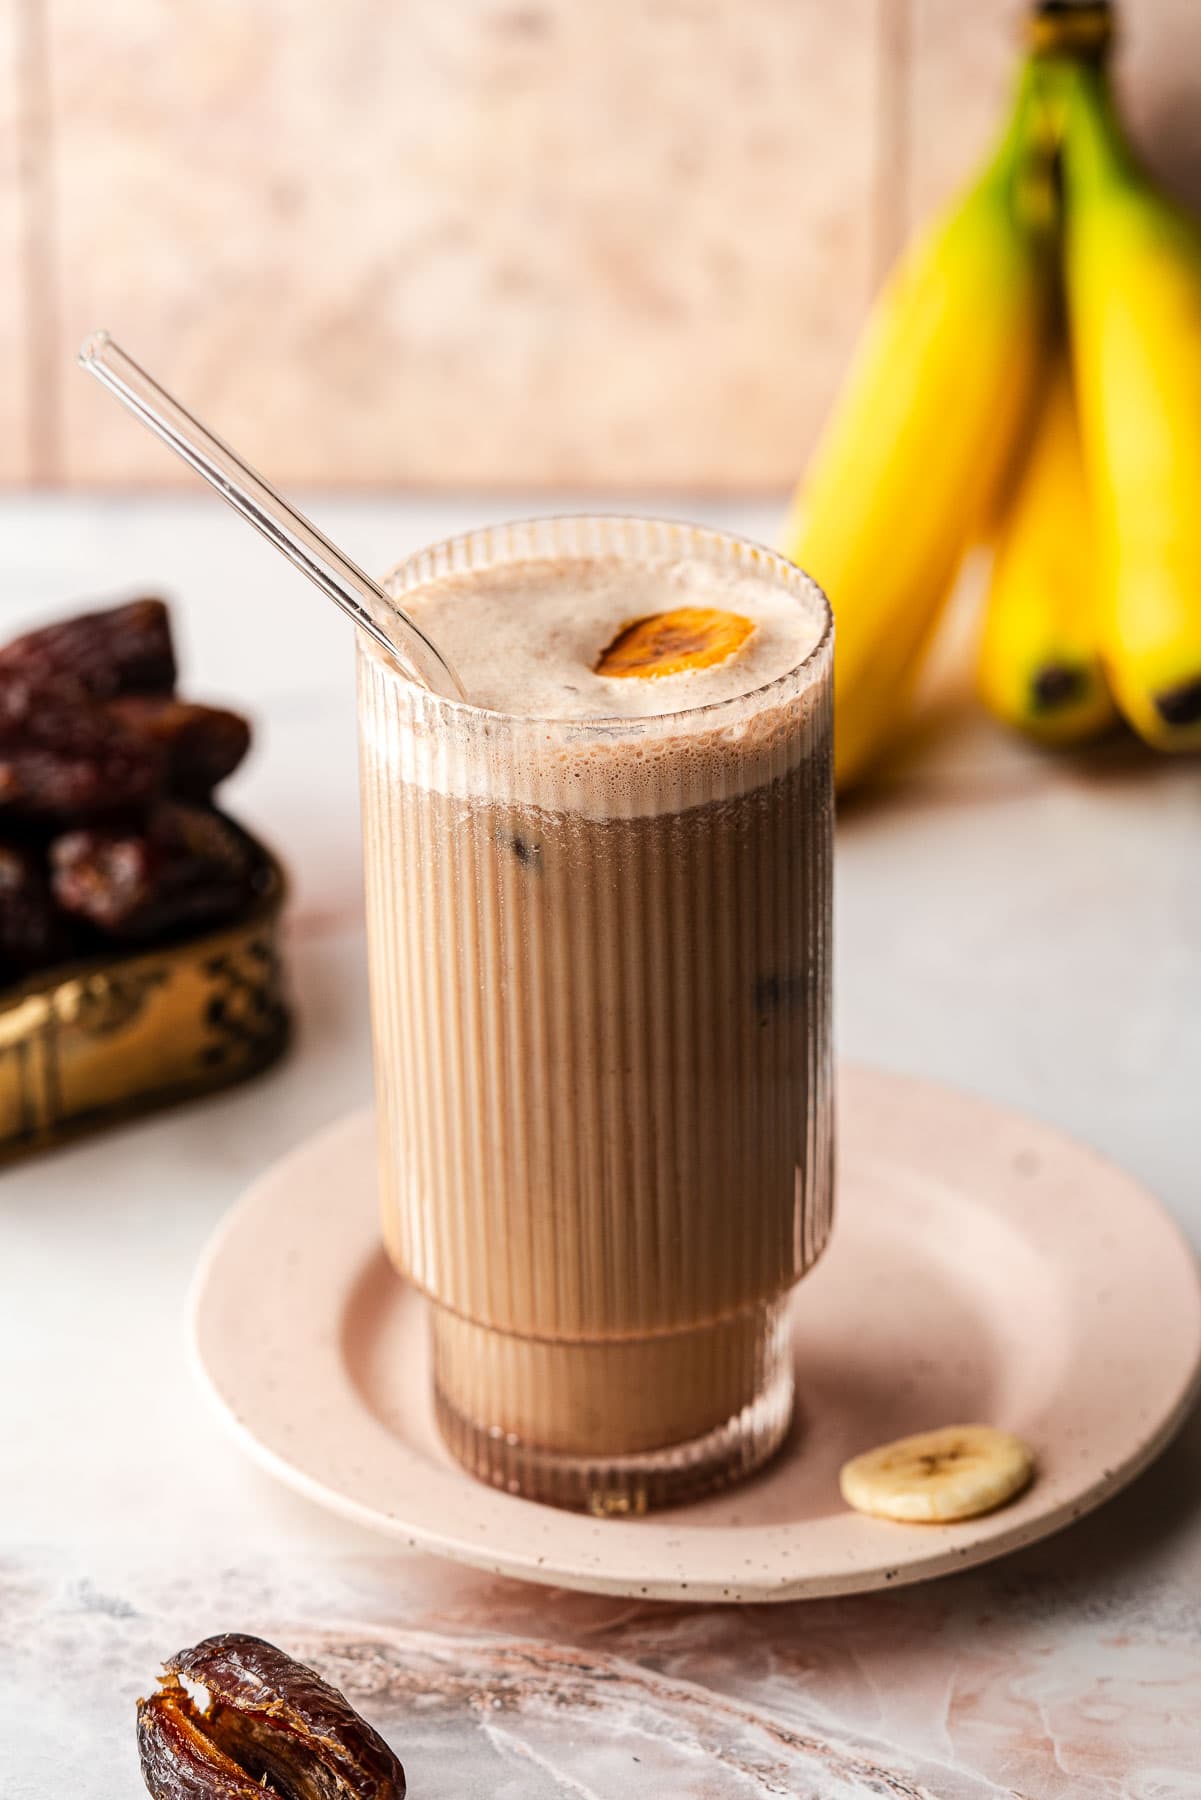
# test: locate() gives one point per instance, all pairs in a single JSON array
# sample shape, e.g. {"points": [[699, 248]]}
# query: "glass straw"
{"points": [[350, 587]]}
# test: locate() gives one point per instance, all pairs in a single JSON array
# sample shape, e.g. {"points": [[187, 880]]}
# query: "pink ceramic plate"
{"points": [[983, 1268]]}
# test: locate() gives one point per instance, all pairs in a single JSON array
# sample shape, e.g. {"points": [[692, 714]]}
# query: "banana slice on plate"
{"points": [[938, 1476]]}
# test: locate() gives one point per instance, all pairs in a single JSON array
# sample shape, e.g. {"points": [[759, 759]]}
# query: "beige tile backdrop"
{"points": [[560, 243], [17, 445]]}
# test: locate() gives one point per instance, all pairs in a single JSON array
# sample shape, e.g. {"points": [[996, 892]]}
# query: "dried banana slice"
{"points": [[668, 643], [936, 1476]]}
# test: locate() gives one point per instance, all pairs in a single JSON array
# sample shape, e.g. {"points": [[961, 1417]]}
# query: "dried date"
{"points": [[64, 759], [201, 744], [117, 650], [180, 1761], [32, 934], [187, 867], [269, 1723]]}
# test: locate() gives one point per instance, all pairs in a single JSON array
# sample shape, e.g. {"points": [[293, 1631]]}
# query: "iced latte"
{"points": [[599, 913]]}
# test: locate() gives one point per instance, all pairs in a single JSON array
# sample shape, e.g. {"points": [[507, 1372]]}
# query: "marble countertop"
{"points": [[1026, 928]]}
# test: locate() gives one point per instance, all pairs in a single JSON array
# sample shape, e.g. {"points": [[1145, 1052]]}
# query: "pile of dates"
{"points": [[108, 837]]}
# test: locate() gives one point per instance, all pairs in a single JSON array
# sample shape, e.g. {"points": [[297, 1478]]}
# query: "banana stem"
{"points": [[1080, 28], [1094, 145], [1023, 164]]}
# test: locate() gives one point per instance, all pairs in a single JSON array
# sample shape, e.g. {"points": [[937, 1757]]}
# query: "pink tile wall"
{"points": [[549, 242], [17, 97], [493, 243]]}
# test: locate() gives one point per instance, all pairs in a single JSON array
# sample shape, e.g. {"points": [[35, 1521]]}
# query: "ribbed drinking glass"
{"points": [[600, 989]]}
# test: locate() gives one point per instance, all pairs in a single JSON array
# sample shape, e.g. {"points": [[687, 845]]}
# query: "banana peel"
{"points": [[1039, 667], [921, 439]]}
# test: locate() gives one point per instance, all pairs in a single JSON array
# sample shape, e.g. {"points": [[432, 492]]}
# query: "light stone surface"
{"points": [[1024, 927]]}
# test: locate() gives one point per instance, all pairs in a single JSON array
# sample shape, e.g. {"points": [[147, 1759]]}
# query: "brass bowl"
{"points": [[89, 1042]]}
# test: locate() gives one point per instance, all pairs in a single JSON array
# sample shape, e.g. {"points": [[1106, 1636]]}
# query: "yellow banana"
{"points": [[1040, 664], [1132, 266], [920, 438]]}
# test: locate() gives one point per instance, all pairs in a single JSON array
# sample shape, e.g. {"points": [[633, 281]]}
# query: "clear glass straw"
{"points": [[372, 610]]}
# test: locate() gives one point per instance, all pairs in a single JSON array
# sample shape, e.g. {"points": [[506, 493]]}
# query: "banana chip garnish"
{"points": [[669, 643], [934, 1477]]}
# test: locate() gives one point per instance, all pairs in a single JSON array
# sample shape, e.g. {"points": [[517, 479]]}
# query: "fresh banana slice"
{"points": [[936, 1476], [668, 643]]}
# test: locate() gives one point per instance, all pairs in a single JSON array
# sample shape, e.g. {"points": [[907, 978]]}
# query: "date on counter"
{"points": [[268, 1725]]}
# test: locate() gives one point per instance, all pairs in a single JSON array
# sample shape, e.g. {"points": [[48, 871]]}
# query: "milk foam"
{"points": [[525, 636]]}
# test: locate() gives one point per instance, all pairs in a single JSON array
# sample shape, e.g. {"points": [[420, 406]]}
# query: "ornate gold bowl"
{"points": [[90, 1042]]}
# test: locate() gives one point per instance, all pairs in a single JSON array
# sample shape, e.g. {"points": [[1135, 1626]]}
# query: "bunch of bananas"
{"points": [[1030, 378]]}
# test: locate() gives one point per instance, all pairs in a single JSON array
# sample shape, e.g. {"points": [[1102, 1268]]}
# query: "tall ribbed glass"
{"points": [[600, 987]]}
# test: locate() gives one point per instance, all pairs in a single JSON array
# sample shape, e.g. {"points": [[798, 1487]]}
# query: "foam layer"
{"points": [[524, 636]]}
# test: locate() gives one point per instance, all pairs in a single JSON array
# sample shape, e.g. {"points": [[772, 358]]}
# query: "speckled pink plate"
{"points": [[982, 1268]]}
